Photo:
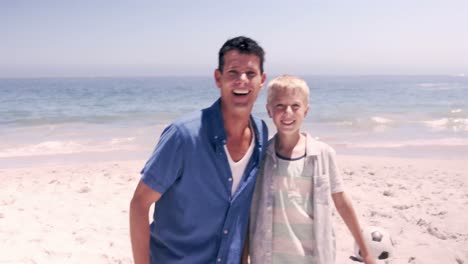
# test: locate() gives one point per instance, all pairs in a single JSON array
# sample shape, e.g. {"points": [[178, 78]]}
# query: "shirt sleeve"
{"points": [[166, 163], [336, 181]]}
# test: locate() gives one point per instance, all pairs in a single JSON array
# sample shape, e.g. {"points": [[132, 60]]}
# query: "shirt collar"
{"points": [[217, 133], [213, 118], [312, 147]]}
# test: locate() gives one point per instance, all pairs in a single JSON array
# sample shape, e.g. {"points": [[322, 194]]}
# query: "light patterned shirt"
{"points": [[293, 236], [291, 214]]}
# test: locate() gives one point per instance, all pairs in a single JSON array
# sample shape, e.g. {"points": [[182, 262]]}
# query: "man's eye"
{"points": [[251, 74]]}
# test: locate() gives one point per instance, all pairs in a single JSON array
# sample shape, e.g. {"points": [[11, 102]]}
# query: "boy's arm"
{"points": [[141, 202], [345, 209]]}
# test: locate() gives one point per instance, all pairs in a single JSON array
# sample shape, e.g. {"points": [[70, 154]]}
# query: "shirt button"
{"points": [[230, 179], [226, 231], [218, 260]]}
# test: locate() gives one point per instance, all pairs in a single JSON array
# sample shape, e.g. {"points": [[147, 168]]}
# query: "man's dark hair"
{"points": [[243, 45]]}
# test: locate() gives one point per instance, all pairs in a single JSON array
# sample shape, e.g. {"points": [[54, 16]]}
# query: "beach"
{"points": [[423, 203], [78, 213]]}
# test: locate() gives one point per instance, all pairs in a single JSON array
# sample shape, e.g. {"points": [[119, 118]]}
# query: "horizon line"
{"points": [[204, 76]]}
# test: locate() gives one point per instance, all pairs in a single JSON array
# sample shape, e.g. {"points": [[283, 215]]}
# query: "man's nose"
{"points": [[243, 76]]}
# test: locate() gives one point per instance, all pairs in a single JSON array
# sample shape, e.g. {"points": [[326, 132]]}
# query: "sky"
{"points": [[159, 38]]}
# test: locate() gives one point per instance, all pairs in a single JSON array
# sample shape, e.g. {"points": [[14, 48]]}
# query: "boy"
{"points": [[291, 213]]}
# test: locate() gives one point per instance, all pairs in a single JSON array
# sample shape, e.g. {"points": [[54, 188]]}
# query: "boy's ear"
{"points": [[268, 110], [306, 110]]}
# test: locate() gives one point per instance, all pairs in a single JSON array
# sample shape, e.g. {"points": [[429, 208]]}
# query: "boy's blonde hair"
{"points": [[288, 83]]}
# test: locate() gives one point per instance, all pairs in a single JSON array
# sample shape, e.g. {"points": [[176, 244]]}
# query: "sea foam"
{"points": [[67, 147], [448, 123], [443, 142]]}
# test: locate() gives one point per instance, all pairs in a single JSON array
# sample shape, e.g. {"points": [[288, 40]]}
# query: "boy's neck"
{"points": [[291, 146]]}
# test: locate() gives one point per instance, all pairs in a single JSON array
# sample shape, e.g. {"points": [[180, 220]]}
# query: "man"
{"points": [[202, 174]]}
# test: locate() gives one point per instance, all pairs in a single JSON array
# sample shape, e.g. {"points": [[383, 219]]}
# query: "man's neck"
{"points": [[236, 127], [238, 135], [235, 124]]}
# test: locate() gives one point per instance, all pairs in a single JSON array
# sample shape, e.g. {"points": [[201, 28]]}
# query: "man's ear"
{"points": [[263, 80], [217, 76]]}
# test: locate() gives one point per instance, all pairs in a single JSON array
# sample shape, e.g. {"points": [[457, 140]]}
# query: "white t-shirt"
{"points": [[238, 168]]}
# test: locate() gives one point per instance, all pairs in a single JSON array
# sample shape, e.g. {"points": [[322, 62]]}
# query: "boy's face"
{"points": [[239, 82], [288, 108]]}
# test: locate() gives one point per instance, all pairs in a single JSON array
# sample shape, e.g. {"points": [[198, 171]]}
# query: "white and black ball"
{"points": [[378, 241]]}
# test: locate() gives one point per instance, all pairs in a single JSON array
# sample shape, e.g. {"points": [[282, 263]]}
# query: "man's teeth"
{"points": [[241, 92]]}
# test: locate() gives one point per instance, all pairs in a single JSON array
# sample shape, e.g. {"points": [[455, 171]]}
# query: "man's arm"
{"points": [[141, 202], [345, 209]]}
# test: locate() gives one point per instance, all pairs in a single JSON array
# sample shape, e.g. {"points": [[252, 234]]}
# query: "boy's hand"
{"points": [[369, 260]]}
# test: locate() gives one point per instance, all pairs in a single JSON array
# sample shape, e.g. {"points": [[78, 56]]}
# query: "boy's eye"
{"points": [[280, 107], [296, 107]]}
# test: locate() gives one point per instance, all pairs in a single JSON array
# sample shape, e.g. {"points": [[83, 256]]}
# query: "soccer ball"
{"points": [[378, 241]]}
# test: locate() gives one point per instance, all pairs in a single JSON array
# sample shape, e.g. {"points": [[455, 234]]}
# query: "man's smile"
{"points": [[241, 92]]}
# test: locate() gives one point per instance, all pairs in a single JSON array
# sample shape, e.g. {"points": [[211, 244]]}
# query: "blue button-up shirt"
{"points": [[197, 220]]}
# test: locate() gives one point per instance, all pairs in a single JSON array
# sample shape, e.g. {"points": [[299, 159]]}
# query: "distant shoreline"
{"points": [[270, 75]]}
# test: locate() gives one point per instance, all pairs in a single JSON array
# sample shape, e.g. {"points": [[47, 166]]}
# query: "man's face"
{"points": [[240, 82]]}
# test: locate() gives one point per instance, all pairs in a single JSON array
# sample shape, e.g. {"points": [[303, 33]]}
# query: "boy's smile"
{"points": [[287, 123], [288, 109]]}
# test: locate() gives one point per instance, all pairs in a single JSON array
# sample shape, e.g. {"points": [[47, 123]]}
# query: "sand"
{"points": [[422, 203], [78, 213]]}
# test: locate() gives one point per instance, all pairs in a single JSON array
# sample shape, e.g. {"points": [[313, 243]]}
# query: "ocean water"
{"points": [[66, 119]]}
